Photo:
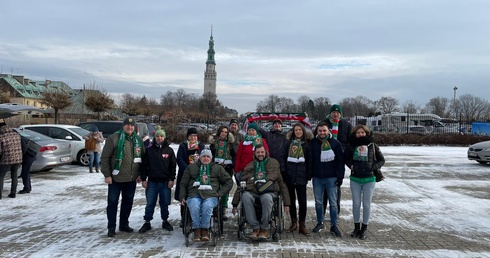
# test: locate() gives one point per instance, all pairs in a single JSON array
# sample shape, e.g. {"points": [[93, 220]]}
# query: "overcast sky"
{"points": [[409, 50]]}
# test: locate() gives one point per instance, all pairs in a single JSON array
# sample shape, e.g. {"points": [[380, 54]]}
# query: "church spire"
{"points": [[211, 49], [210, 72]]}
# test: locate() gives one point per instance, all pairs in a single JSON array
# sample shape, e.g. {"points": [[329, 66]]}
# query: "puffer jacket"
{"points": [[128, 170], [363, 169], [10, 146], [273, 173], [298, 173], [159, 163], [221, 182], [334, 168]]}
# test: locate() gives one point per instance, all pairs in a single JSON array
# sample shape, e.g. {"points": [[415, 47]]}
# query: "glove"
{"points": [[339, 182]]}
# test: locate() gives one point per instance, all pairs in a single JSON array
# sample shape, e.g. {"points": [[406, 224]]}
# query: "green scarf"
{"points": [[296, 153], [361, 153], [257, 139], [203, 181], [260, 171], [223, 156], [120, 149], [327, 153]]}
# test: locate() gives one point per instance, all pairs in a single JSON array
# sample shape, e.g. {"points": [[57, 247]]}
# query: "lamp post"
{"points": [[454, 102]]}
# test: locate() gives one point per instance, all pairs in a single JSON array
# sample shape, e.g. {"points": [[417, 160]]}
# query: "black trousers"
{"points": [[300, 192]]}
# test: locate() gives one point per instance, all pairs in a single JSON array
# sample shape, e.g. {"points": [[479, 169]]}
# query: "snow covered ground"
{"points": [[432, 194]]}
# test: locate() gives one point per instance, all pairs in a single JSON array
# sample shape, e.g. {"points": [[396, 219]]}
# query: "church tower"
{"points": [[210, 73]]}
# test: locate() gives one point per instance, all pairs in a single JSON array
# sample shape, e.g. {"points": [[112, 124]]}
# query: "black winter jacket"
{"points": [[363, 169], [334, 168], [278, 146], [298, 173], [159, 163], [345, 129]]}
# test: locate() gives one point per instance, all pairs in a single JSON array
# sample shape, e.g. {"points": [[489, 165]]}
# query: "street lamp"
{"points": [[454, 102]]}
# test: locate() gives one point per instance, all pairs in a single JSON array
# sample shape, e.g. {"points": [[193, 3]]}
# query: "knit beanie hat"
{"points": [[206, 152], [129, 121], [191, 130], [253, 126], [94, 128], [233, 120], [160, 132], [336, 107]]}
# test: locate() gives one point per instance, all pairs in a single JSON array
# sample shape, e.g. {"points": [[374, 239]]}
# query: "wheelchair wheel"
{"points": [[276, 236], [240, 222], [187, 225], [280, 214]]}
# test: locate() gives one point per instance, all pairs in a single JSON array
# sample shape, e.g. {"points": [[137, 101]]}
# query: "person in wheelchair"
{"points": [[264, 182], [201, 185]]}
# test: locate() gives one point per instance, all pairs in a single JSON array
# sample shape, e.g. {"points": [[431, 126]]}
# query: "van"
{"points": [[107, 128]]}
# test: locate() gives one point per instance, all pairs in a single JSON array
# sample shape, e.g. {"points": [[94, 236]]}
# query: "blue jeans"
{"points": [[94, 156], [319, 186], [126, 190], [364, 192], [201, 210], [154, 191]]}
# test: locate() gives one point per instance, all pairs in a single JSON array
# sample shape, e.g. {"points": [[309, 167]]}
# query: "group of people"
{"points": [[268, 163], [14, 152]]}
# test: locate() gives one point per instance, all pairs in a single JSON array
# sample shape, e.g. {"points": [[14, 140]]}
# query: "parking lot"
{"points": [[434, 203]]}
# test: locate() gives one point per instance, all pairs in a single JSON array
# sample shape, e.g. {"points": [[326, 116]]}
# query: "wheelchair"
{"points": [[216, 224], [276, 220]]}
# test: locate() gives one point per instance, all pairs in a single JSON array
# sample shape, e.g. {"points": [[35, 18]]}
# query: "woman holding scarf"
{"points": [[297, 175], [245, 153], [362, 156], [221, 145], [121, 159]]}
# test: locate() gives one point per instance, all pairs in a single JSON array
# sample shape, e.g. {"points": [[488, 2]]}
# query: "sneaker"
{"points": [[23, 191], [255, 234], [318, 227], [126, 228], [111, 232], [335, 231], [12, 195], [145, 227], [167, 226]]}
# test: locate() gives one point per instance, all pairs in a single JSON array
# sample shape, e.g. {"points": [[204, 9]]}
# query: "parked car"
{"points": [[414, 129], [480, 152], [70, 133], [52, 153], [109, 127]]}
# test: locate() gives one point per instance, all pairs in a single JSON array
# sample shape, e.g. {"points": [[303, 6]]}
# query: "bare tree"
{"points": [[58, 100], [269, 104], [129, 104], [303, 102], [438, 106], [410, 107], [97, 99], [473, 108], [358, 106], [286, 105], [387, 105], [321, 108]]}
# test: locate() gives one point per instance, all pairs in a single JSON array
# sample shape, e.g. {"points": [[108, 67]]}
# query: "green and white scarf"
{"points": [[260, 173], [255, 140], [203, 181], [223, 156], [120, 149], [361, 153], [327, 153], [296, 153]]}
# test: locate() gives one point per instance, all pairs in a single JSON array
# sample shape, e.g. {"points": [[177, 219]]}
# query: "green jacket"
{"points": [[273, 173], [128, 170], [221, 182]]}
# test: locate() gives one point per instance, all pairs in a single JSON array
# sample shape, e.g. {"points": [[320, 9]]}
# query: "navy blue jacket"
{"points": [[334, 168]]}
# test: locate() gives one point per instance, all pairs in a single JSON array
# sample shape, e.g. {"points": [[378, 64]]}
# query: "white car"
{"points": [[480, 152], [70, 133]]}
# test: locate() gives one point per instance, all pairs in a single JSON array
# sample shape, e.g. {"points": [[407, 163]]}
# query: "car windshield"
{"points": [[80, 131], [33, 136]]}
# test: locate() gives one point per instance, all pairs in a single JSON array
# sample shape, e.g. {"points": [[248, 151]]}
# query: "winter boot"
{"points": [[294, 225], [362, 233], [197, 234], [357, 227], [302, 229], [91, 171]]}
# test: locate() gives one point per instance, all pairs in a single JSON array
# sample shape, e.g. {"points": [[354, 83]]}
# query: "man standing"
{"points": [[121, 159], [234, 129], [278, 144], [327, 170], [10, 156], [340, 130], [159, 166]]}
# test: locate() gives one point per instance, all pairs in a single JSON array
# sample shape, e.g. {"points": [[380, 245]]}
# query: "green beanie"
{"points": [[253, 126], [336, 107], [160, 132]]}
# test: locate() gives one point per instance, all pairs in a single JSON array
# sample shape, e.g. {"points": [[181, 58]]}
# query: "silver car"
{"points": [[480, 152], [52, 153]]}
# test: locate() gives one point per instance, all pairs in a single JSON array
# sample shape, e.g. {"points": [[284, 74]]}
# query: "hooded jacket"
{"points": [[159, 163]]}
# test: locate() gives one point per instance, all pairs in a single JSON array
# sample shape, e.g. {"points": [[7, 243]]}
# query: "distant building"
{"points": [[210, 73]]}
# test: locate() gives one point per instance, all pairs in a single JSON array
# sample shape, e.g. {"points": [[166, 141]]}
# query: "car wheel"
{"points": [[481, 162], [83, 158]]}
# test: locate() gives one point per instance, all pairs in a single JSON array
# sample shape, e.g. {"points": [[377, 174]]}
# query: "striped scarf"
{"points": [[335, 127], [296, 153]]}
